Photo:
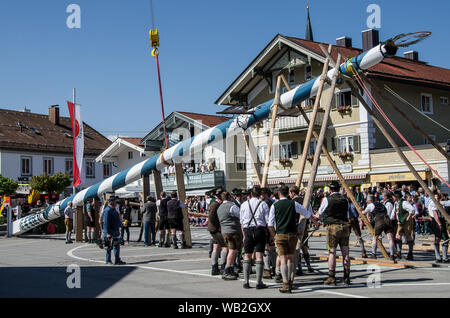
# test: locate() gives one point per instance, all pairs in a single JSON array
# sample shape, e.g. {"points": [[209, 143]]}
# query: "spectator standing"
{"points": [[126, 222], [68, 221], [149, 218], [111, 231]]}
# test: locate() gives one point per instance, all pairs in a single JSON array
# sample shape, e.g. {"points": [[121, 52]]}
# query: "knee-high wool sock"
{"points": [[436, 251], [284, 273], [259, 272], [247, 270], [223, 257], [291, 268], [266, 261], [214, 258]]}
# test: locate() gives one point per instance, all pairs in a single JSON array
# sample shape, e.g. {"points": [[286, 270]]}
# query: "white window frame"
{"points": [[52, 165], [287, 144], [30, 158], [130, 155], [431, 103], [347, 144], [312, 142], [338, 97], [291, 76], [443, 100], [91, 175]]}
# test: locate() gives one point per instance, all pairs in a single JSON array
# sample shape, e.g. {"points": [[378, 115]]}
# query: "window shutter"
{"points": [[302, 146], [356, 143], [294, 149], [333, 145], [355, 102]]}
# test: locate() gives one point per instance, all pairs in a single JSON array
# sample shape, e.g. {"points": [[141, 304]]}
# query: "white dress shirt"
{"points": [[234, 210], [298, 208], [261, 214]]}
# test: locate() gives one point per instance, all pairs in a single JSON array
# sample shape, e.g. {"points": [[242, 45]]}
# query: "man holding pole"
{"points": [[405, 212], [334, 209]]}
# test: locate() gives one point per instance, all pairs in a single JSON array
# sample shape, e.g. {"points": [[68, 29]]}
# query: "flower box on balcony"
{"points": [[310, 157], [344, 109], [285, 161], [308, 107], [345, 155]]}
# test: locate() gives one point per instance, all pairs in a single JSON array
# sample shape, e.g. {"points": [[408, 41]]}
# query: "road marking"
{"points": [[70, 254]]}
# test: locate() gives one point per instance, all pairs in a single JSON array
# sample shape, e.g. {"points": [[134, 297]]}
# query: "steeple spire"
{"points": [[309, 33]]}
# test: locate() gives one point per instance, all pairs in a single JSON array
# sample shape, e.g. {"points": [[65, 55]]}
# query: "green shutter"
{"points": [[355, 102], [356, 143], [333, 145], [294, 149]]}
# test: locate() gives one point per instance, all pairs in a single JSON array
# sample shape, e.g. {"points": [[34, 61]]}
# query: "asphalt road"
{"points": [[40, 266]]}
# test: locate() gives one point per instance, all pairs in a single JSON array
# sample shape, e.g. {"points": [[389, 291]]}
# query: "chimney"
{"points": [[411, 55], [344, 41], [370, 39], [53, 114]]}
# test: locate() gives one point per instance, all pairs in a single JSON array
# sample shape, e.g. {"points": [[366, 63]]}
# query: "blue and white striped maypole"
{"points": [[208, 137]]}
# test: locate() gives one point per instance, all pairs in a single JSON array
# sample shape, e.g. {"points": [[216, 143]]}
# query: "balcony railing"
{"points": [[291, 124], [193, 181]]}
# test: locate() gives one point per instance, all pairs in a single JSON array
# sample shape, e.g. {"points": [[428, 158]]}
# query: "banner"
{"points": [[78, 143], [6, 202]]}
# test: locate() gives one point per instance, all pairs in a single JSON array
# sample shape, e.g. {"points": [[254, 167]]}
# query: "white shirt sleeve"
{"points": [[408, 207], [241, 215], [235, 211], [370, 207], [323, 206], [301, 210], [272, 216], [158, 203], [265, 211], [390, 210]]}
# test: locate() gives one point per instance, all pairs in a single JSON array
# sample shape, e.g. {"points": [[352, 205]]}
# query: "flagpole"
{"points": [[74, 129]]}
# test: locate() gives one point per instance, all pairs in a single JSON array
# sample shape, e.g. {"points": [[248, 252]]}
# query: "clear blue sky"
{"points": [[205, 44]]}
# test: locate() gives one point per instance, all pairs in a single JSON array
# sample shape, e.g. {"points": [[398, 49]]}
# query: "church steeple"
{"points": [[309, 33]]}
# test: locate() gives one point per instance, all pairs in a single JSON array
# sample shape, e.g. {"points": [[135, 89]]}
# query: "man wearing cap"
{"points": [[334, 210], [219, 246], [111, 231], [378, 214], [283, 216], [405, 222], [230, 227], [175, 218], [439, 228], [253, 217]]}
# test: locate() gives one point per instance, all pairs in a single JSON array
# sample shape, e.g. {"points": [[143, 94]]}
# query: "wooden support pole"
{"points": [[391, 140], [96, 205], [182, 197], [158, 183], [313, 120], [412, 123], [145, 187], [79, 224], [253, 155], [276, 103], [323, 130]]}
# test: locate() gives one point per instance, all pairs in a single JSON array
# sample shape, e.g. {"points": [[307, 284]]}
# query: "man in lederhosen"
{"points": [[405, 225], [283, 217], [163, 224], [378, 214], [219, 246], [254, 215], [270, 255], [439, 228], [175, 217], [334, 210]]}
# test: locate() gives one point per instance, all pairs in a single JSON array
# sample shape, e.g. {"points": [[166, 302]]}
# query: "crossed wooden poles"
{"points": [[321, 136]]}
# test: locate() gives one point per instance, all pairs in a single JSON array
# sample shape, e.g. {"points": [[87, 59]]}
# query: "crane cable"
{"points": [[154, 42], [366, 90]]}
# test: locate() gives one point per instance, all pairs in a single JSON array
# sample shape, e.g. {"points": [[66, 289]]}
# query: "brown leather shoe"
{"points": [[331, 280], [286, 289], [267, 274]]}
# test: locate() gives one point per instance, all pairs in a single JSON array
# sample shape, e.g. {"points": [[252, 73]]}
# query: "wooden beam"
{"points": [[313, 120], [321, 137], [158, 183], [276, 103], [96, 205], [253, 155], [182, 197], [78, 226]]}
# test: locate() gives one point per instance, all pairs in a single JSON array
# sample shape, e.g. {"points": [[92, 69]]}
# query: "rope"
{"points": [[162, 102], [390, 90], [366, 90]]}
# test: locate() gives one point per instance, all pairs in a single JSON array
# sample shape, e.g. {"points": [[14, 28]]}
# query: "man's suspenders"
{"points": [[253, 214]]}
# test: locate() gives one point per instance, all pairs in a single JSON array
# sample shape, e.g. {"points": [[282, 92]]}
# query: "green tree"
{"points": [[7, 186], [55, 183]]}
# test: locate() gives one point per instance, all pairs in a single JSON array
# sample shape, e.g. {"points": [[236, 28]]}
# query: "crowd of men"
{"points": [[269, 229]]}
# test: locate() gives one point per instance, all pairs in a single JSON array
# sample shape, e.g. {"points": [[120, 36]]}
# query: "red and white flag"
{"points": [[78, 143]]}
